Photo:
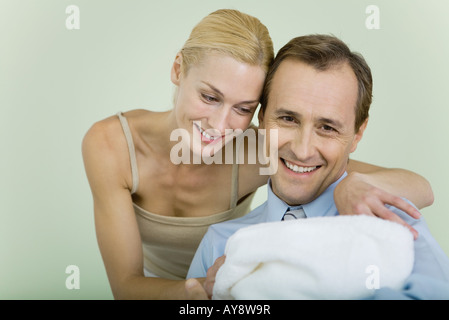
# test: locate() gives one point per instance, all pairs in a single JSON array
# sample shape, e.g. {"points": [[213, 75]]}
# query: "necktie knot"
{"points": [[294, 214]]}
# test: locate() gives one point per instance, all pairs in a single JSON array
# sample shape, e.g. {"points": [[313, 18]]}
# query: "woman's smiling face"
{"points": [[216, 95]]}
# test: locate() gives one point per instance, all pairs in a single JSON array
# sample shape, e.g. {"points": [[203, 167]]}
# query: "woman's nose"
{"points": [[220, 120]]}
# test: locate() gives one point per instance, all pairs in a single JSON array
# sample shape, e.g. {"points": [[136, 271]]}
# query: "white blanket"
{"points": [[342, 257]]}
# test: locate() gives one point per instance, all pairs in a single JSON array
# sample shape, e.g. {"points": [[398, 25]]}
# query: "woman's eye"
{"points": [[208, 98], [244, 110]]}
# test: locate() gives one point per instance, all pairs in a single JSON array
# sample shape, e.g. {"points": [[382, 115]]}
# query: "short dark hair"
{"points": [[324, 52]]}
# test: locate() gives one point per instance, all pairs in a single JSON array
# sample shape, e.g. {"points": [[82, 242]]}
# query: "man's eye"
{"points": [[328, 128], [287, 119]]}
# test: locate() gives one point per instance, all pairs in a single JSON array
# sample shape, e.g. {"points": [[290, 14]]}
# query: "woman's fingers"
{"points": [[401, 204], [384, 213]]}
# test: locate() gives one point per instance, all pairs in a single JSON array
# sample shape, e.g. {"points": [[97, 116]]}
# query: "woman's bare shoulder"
{"points": [[107, 132], [105, 153], [103, 133]]}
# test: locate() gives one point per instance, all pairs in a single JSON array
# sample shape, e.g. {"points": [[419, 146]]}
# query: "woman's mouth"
{"points": [[205, 137]]}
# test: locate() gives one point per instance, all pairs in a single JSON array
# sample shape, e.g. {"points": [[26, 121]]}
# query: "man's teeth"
{"points": [[298, 169]]}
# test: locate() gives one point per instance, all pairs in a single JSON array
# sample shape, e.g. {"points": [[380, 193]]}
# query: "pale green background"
{"points": [[55, 83]]}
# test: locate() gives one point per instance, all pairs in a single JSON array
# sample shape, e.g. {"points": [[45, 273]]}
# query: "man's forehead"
{"points": [[297, 84]]}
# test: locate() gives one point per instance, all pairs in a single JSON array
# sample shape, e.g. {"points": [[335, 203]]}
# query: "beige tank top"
{"points": [[169, 243]]}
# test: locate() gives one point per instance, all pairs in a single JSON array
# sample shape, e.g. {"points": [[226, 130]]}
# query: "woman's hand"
{"points": [[354, 195], [201, 289], [195, 289]]}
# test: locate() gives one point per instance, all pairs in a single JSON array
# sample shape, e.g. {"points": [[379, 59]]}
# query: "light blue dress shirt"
{"points": [[429, 278]]}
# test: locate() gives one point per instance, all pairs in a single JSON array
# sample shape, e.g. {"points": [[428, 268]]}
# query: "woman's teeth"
{"points": [[298, 169], [207, 136]]}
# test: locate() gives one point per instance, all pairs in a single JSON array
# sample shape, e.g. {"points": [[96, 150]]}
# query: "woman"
{"points": [[142, 198]]}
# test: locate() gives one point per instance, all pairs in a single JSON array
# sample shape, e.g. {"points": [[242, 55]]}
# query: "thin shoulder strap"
{"points": [[234, 185], [132, 151], [235, 179]]}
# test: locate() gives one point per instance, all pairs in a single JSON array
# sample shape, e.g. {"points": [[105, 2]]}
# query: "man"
{"points": [[317, 96]]}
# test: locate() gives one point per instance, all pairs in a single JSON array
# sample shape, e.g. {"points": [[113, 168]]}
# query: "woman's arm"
{"points": [[107, 167], [368, 188], [399, 182]]}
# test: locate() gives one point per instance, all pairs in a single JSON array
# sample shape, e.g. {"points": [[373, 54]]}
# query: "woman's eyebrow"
{"points": [[213, 88], [222, 95]]}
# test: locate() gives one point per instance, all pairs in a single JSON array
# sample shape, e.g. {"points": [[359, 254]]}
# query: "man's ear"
{"points": [[359, 135], [260, 117], [176, 69]]}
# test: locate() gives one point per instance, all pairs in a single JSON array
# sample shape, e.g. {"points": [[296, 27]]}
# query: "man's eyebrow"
{"points": [[332, 122], [222, 95], [286, 112]]}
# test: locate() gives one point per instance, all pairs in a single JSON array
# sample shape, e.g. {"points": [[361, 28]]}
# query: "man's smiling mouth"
{"points": [[299, 169]]}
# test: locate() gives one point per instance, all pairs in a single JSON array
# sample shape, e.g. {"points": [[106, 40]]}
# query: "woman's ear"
{"points": [[176, 69]]}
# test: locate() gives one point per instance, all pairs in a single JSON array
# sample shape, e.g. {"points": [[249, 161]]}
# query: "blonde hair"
{"points": [[229, 32]]}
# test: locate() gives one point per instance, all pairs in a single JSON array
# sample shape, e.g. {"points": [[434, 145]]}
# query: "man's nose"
{"points": [[304, 144]]}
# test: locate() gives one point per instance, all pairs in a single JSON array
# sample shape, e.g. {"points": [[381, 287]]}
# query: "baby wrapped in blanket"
{"points": [[341, 257]]}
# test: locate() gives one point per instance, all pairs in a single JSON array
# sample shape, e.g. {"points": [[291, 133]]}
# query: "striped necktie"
{"points": [[294, 214]]}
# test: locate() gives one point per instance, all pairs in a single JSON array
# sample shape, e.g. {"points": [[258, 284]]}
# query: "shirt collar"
{"points": [[324, 205]]}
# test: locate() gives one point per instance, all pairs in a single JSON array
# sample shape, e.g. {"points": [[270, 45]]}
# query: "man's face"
{"points": [[314, 113]]}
